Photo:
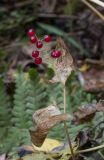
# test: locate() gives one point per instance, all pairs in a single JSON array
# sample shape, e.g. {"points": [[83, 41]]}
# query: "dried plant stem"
{"points": [[64, 99], [100, 3], [90, 149], [93, 9], [65, 126]]}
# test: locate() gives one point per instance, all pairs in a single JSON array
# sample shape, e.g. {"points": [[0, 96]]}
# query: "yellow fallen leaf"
{"points": [[84, 67], [37, 156], [48, 145]]}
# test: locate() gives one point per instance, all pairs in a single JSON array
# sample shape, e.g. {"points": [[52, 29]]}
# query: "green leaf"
{"points": [[33, 73], [74, 43], [50, 73], [59, 32], [51, 29]]}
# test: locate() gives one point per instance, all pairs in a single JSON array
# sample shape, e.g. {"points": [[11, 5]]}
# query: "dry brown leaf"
{"points": [[94, 79], [87, 112], [62, 65], [45, 119]]}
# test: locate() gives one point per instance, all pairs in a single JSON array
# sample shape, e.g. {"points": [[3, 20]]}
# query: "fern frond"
{"points": [[5, 107], [30, 95], [5, 114]]}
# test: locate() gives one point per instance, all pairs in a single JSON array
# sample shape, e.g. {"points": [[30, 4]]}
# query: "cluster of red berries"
{"points": [[39, 45]]}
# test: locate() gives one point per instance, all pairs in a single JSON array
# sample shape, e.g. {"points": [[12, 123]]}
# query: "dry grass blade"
{"points": [[98, 2], [93, 9]]}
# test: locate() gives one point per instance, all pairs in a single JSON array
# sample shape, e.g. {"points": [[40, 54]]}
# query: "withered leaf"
{"points": [[82, 138], [94, 79], [62, 65], [87, 112], [45, 119]]}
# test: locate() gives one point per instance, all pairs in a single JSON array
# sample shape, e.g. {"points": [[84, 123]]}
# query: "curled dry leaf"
{"points": [[87, 112], [62, 65], [45, 119]]}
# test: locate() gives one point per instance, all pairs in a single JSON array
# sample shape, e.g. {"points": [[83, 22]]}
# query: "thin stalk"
{"points": [[64, 99], [65, 126], [91, 149], [93, 9], [98, 2]]}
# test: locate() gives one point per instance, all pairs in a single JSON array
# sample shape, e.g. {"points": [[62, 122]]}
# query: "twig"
{"points": [[65, 126], [91, 149], [93, 61], [100, 3], [93, 9]]}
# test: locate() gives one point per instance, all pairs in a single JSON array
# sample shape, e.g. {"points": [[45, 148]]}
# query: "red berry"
{"points": [[31, 32], [39, 44], [47, 38], [35, 54], [56, 54], [33, 39], [38, 60]]}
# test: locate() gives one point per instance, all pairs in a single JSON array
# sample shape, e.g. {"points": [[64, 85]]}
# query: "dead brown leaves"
{"points": [[94, 78], [87, 112], [62, 65], [45, 119]]}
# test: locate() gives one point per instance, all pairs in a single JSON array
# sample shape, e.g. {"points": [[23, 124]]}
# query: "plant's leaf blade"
{"points": [[74, 43], [59, 32], [45, 119], [48, 145], [52, 29], [62, 65], [36, 156]]}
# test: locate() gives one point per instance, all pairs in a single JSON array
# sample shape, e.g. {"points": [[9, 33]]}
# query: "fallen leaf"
{"points": [[63, 65], [84, 67], [48, 145], [94, 79], [87, 112], [82, 138], [37, 156], [65, 147], [65, 154], [44, 120]]}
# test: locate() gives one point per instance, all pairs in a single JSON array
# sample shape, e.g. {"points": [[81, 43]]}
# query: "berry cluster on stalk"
{"points": [[39, 44]]}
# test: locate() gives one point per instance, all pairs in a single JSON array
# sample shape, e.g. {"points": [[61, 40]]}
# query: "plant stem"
{"points": [[100, 3], [65, 126], [64, 99], [93, 9], [90, 149]]}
